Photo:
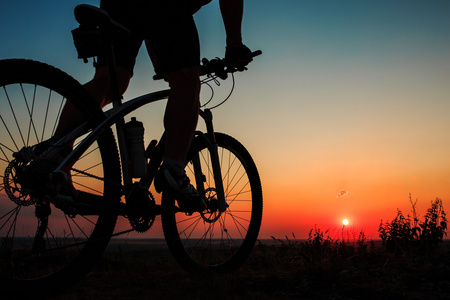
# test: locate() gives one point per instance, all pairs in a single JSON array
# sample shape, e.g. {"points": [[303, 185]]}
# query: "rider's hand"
{"points": [[238, 57]]}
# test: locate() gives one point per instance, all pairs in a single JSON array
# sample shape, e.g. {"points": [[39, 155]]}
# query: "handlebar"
{"points": [[215, 67]]}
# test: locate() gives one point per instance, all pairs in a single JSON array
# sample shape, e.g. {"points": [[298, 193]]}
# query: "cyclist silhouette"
{"points": [[171, 38]]}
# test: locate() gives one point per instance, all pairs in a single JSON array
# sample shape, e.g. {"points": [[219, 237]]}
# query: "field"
{"points": [[411, 261], [317, 268]]}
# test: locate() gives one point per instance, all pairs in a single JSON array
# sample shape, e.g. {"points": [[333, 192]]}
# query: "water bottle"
{"points": [[135, 138]]}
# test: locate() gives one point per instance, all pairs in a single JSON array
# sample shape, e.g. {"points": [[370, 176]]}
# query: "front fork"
{"points": [[214, 155]]}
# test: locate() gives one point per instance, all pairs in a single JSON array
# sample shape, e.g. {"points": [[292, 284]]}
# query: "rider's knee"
{"points": [[186, 80], [123, 77]]}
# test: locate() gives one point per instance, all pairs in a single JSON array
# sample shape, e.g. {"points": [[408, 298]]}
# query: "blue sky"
{"points": [[348, 95]]}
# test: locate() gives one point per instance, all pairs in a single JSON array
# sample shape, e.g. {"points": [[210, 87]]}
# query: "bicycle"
{"points": [[56, 218]]}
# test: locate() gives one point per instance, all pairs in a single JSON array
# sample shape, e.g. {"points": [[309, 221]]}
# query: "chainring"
{"points": [[141, 212]]}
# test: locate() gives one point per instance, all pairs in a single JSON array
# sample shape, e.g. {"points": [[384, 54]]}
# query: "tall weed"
{"points": [[405, 233]]}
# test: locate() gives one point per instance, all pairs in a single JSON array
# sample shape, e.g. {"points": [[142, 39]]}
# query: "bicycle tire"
{"points": [[31, 96], [226, 239]]}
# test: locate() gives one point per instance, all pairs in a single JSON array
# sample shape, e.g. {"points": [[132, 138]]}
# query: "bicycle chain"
{"points": [[138, 221], [88, 174]]}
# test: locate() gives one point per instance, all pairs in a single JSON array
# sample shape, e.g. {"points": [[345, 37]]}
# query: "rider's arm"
{"points": [[237, 55], [232, 11]]}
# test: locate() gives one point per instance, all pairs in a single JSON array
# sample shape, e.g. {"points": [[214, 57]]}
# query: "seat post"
{"points": [[116, 97]]}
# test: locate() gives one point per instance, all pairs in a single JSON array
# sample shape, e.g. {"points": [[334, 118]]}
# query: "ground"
{"points": [[282, 270]]}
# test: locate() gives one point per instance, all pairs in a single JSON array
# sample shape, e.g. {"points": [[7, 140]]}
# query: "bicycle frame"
{"points": [[116, 116]]}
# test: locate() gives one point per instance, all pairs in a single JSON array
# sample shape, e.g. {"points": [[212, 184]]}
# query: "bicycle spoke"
{"points": [[9, 133], [190, 228], [14, 118], [238, 225], [61, 106], [46, 114], [30, 113], [2, 146], [13, 212], [227, 234], [214, 239]]}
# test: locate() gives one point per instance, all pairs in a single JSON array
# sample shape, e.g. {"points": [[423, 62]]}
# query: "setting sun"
{"points": [[345, 222]]}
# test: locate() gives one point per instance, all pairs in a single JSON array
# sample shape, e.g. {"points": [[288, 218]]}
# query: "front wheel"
{"points": [[214, 240]]}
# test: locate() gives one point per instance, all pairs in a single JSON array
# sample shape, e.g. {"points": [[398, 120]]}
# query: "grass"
{"points": [[320, 267], [285, 269]]}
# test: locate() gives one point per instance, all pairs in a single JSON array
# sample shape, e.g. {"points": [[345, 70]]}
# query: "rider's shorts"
{"points": [[166, 25]]}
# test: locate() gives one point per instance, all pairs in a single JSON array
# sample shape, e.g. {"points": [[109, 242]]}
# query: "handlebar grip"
{"points": [[256, 53]]}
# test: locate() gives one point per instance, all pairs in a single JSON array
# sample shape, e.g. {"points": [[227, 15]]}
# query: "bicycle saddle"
{"points": [[91, 16]]}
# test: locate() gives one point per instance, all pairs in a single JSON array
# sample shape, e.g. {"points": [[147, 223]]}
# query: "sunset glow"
{"points": [[345, 222]]}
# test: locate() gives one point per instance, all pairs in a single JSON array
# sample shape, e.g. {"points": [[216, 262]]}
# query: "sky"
{"points": [[345, 113]]}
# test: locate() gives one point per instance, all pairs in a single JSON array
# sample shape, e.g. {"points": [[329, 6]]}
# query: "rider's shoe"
{"points": [[43, 146], [167, 180], [55, 156]]}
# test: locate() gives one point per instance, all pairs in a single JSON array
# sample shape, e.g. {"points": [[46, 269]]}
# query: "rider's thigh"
{"points": [[100, 87]]}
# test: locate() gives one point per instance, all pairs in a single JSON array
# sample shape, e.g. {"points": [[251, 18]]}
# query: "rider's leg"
{"points": [[99, 88], [174, 48], [181, 114], [180, 122]]}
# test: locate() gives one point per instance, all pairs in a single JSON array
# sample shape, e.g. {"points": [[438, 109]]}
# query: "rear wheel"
{"points": [[214, 240], [47, 240]]}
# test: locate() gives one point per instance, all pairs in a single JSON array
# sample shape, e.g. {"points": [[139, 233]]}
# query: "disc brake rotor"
{"points": [[212, 213], [13, 186]]}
